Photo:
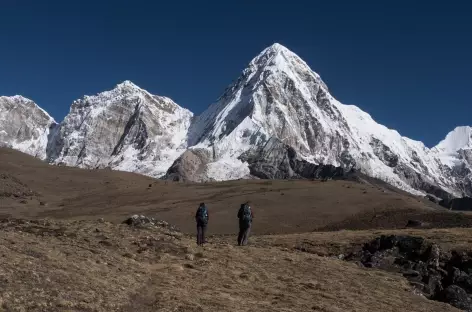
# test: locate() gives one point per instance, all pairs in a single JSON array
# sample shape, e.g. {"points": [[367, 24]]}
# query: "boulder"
{"points": [[433, 254], [437, 275], [413, 276], [140, 221], [415, 224], [433, 198], [435, 286], [457, 297], [190, 166], [462, 279]]}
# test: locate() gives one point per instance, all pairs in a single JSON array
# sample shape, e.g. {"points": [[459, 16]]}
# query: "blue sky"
{"points": [[407, 63]]}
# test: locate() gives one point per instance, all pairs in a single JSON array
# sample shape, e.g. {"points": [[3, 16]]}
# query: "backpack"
{"points": [[246, 215], [202, 214]]}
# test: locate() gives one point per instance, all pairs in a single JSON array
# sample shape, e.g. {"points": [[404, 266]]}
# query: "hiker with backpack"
{"points": [[202, 218], [245, 216]]}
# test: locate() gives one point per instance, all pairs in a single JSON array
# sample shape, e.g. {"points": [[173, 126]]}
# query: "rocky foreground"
{"points": [[147, 265], [442, 275]]}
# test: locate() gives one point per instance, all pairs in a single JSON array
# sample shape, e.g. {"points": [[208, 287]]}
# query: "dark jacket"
{"points": [[196, 215], [240, 212]]}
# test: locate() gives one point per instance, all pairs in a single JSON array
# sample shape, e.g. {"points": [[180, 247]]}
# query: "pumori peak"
{"points": [[277, 54], [127, 85]]}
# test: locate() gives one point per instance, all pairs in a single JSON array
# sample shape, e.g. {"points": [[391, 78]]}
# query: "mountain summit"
{"points": [[126, 128], [278, 97], [277, 120]]}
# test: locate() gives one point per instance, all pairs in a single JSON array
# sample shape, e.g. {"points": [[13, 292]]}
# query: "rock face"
{"points": [[24, 126], [190, 166], [276, 160], [126, 128], [416, 224], [457, 297], [277, 120], [462, 204], [442, 276]]}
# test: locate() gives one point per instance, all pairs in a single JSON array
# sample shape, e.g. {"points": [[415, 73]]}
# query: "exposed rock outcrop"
{"points": [[439, 275], [277, 160], [190, 166], [460, 204]]}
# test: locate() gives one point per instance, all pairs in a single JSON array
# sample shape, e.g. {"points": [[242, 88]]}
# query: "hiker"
{"points": [[245, 216], [202, 221]]}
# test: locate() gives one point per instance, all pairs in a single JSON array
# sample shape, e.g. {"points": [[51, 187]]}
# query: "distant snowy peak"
{"points": [[20, 102], [126, 93], [126, 128], [260, 94], [459, 138], [455, 151], [127, 85], [278, 58], [24, 125]]}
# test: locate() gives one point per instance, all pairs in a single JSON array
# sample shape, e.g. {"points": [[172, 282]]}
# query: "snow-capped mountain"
{"points": [[457, 140], [279, 96], [455, 152], [24, 125], [277, 120], [126, 128]]}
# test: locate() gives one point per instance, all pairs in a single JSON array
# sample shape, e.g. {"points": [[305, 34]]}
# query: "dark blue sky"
{"points": [[406, 63]]}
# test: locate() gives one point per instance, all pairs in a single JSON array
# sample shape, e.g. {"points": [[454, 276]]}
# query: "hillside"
{"points": [[99, 266], [281, 206], [63, 246]]}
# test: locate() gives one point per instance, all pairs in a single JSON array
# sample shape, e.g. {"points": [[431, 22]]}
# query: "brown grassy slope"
{"points": [[280, 206], [94, 266], [344, 242]]}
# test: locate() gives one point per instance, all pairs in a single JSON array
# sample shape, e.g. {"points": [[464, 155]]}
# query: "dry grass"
{"points": [[95, 266], [280, 206], [344, 242], [74, 263]]}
